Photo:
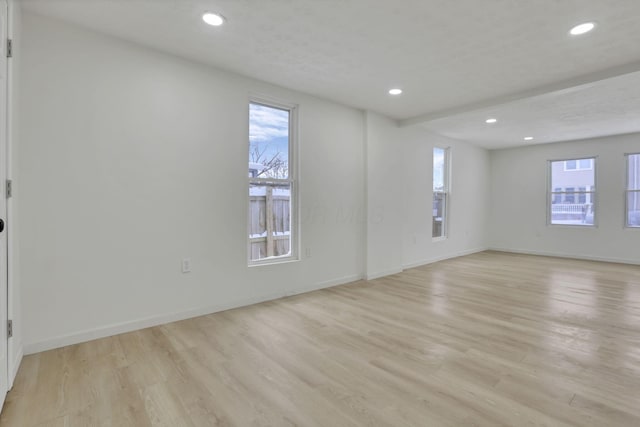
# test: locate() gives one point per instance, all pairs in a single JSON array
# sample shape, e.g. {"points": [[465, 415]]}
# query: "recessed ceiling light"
{"points": [[582, 28], [395, 91], [214, 19], [491, 121], [528, 138]]}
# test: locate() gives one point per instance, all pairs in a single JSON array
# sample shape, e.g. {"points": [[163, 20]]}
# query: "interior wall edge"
{"points": [[385, 273]]}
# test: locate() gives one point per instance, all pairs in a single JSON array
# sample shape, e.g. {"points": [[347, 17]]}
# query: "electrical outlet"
{"points": [[186, 265]]}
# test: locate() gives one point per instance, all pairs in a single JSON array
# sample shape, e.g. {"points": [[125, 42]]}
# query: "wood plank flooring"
{"points": [[490, 339]]}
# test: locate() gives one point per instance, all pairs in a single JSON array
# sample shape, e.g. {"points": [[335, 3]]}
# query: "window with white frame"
{"points": [[272, 181], [633, 190], [572, 189], [440, 192]]}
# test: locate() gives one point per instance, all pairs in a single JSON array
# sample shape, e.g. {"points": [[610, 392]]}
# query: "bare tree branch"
{"points": [[273, 167]]}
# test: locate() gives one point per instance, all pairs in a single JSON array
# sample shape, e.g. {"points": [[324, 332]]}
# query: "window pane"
{"points": [[269, 220], [572, 211], [268, 142], [573, 185], [585, 164], [582, 197], [439, 212], [633, 180], [571, 179], [438, 169], [569, 196], [633, 209]]}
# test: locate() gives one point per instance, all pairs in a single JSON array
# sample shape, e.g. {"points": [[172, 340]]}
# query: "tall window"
{"points": [[271, 182], [440, 192], [572, 192], [633, 190]]}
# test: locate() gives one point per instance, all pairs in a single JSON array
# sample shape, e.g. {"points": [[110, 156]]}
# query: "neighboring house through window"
{"points": [[578, 165], [633, 190], [572, 192]]}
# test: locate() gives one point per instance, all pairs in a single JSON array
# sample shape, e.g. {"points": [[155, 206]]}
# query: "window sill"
{"points": [[274, 261], [574, 226]]}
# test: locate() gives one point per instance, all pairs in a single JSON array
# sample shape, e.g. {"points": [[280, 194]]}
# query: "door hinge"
{"points": [[9, 189], [9, 328], [9, 48]]}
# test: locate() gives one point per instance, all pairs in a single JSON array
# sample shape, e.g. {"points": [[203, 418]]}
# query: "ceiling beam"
{"points": [[541, 91]]}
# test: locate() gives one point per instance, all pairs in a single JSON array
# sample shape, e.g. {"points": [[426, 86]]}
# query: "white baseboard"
{"points": [[380, 274], [335, 282], [423, 262], [317, 287], [134, 325], [442, 258], [566, 255]]}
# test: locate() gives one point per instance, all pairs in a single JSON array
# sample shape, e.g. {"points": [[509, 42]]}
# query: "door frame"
{"points": [[4, 259], [14, 344]]}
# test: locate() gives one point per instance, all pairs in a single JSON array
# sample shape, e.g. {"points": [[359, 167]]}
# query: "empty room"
{"points": [[320, 213]]}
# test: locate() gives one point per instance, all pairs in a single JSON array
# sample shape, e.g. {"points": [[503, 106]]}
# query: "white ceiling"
{"points": [[607, 107], [456, 60]]}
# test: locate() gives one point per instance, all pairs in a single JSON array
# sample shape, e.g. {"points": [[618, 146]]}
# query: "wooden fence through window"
{"points": [[270, 222]]}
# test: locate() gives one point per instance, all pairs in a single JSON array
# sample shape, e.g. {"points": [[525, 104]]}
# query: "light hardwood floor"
{"points": [[488, 339]]}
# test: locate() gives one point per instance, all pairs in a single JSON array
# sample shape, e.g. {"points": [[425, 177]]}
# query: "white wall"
{"points": [[400, 197], [384, 146], [518, 200], [468, 204], [131, 159]]}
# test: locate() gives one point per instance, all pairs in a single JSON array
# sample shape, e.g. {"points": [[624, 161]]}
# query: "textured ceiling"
{"points": [[445, 54], [608, 107]]}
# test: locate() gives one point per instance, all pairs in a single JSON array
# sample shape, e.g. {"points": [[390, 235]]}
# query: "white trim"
{"points": [[134, 325], [594, 194], [336, 282], [292, 180], [384, 273], [567, 256], [575, 226], [445, 192], [628, 190], [285, 259], [8, 134], [14, 344], [442, 258], [365, 189]]}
